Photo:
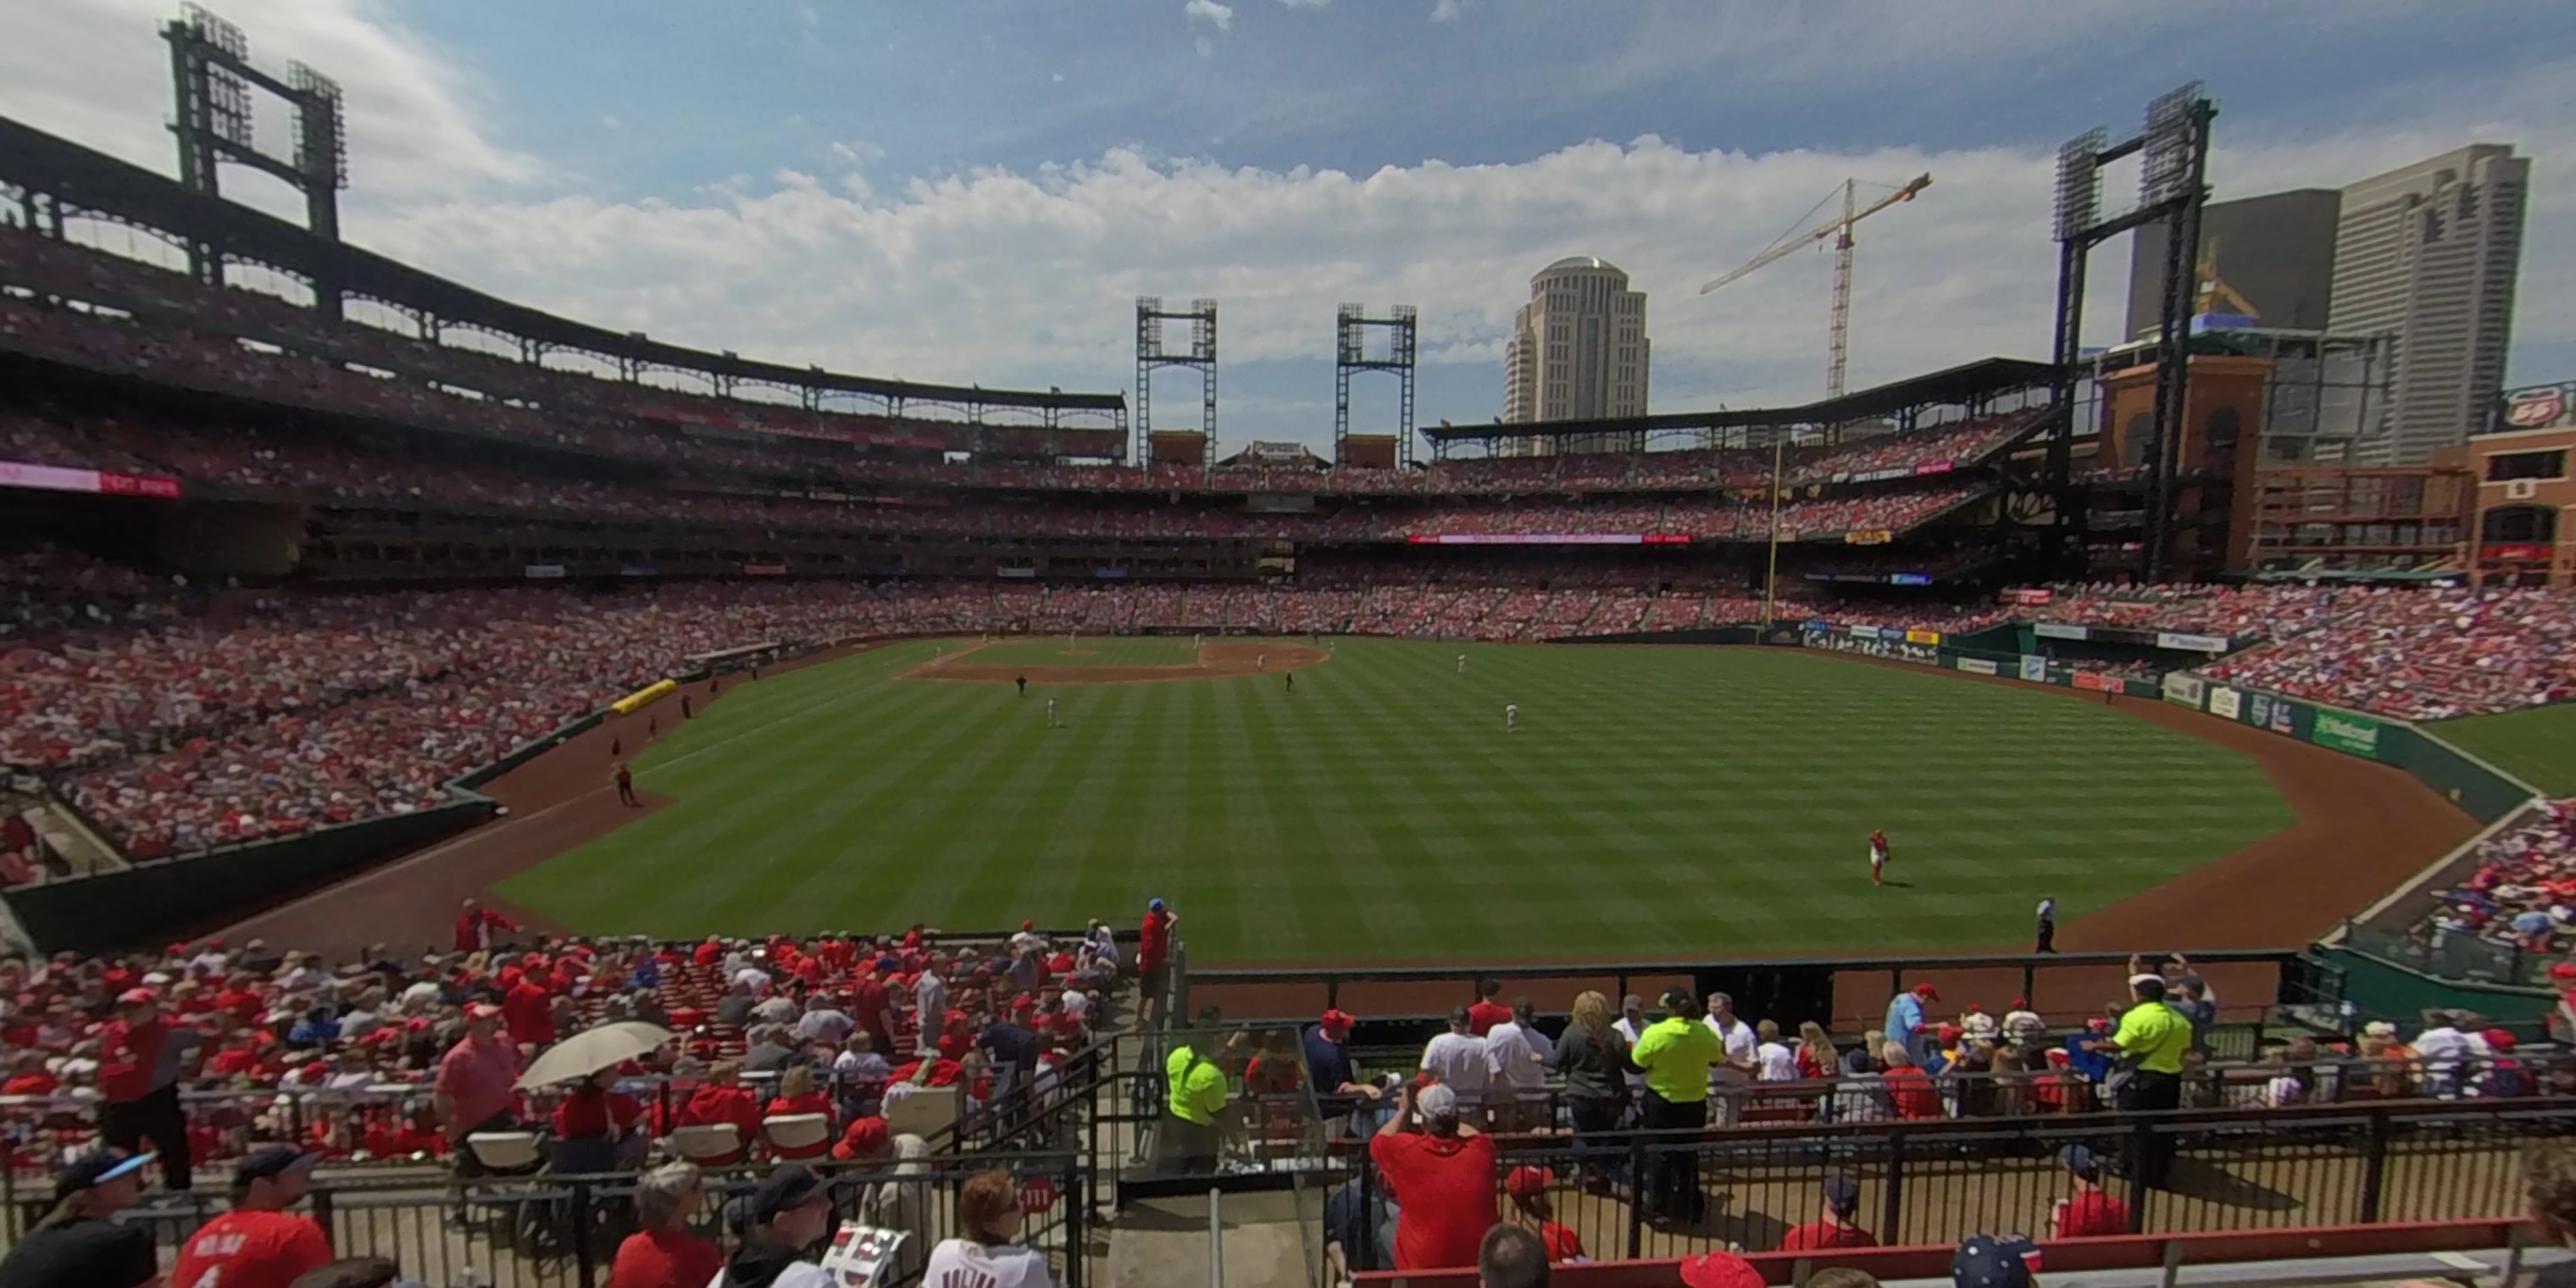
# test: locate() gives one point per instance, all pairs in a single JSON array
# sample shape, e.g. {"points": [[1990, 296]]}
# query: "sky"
{"points": [[975, 191]]}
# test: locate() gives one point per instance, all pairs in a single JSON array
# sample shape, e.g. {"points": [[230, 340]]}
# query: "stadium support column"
{"points": [[1351, 327], [2174, 172], [1152, 353]]}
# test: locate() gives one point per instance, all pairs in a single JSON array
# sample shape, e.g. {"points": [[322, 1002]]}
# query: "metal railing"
{"points": [[1933, 1182], [546, 1231]]}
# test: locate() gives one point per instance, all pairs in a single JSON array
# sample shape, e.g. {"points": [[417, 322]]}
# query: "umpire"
{"points": [[1676, 1053]]}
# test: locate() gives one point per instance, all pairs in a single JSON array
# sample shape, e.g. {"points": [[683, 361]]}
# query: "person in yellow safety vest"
{"points": [[1676, 1053], [1194, 1100]]}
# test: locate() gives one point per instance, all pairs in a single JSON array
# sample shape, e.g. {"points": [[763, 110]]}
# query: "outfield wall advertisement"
{"points": [[2188, 690], [1978, 666], [2034, 668], [2226, 703], [2346, 732]]}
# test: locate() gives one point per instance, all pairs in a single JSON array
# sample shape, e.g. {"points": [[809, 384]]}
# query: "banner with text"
{"points": [[2188, 690], [1977, 666], [2034, 668], [2358, 735], [2195, 643], [2060, 631], [2224, 701]]}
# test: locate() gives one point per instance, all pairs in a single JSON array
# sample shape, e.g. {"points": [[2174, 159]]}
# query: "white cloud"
{"points": [[1448, 10], [1222, 15], [1305, 4]]}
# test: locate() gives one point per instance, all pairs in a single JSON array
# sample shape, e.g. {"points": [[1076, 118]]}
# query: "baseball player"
{"points": [[1050, 713], [1462, 664], [1261, 661], [1511, 718], [1877, 858]]}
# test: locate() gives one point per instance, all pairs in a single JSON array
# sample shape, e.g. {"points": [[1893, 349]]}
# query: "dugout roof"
{"points": [[1966, 383]]}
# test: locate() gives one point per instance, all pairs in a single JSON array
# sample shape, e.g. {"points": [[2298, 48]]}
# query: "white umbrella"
{"points": [[592, 1050]]}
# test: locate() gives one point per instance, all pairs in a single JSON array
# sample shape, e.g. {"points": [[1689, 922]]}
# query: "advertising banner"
{"points": [[1869, 536], [2224, 701], [1861, 631], [56, 478], [2025, 595], [1935, 467], [2358, 735], [1922, 637], [2060, 631], [1909, 579], [2258, 709], [2195, 643], [1976, 666], [2098, 683], [2034, 668], [2187, 690], [2285, 716], [542, 572], [2538, 407]]}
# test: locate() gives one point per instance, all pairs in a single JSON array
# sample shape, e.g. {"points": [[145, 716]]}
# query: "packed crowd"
{"points": [[2522, 894], [2423, 654], [191, 332]]}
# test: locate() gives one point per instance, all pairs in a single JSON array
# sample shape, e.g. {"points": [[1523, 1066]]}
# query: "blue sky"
{"points": [[976, 189]]}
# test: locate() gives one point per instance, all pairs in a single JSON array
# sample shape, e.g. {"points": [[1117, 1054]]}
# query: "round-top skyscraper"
{"points": [[1578, 351]]}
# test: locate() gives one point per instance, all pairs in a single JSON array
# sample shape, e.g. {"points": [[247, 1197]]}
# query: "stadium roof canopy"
{"points": [[90, 183], [1961, 384]]}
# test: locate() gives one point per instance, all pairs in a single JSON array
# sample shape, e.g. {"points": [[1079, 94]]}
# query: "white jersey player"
{"points": [[1050, 713], [1261, 661], [1877, 858], [1462, 664], [1511, 718]]}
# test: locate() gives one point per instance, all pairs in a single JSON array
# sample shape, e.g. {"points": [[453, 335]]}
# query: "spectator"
{"points": [[1908, 1089], [352, 1272], [1517, 1053], [1631, 1023], [1528, 1187], [901, 1202], [988, 1220], [141, 1059], [789, 1212], [1354, 1222], [1772, 1058], [1462, 1062], [1153, 951], [1511, 1257], [2549, 1187], [1487, 1010], [1329, 1069], [257, 1244], [1676, 1053], [1833, 1227], [663, 1253], [477, 1081], [2090, 1210], [599, 1128], [1986, 1261], [1593, 1060], [1719, 1270], [2151, 1040], [1816, 1057], [1442, 1174], [735, 1007], [479, 929], [1905, 1020], [76, 1244]]}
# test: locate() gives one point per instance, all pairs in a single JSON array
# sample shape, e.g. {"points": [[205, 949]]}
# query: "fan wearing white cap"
{"points": [[76, 1245]]}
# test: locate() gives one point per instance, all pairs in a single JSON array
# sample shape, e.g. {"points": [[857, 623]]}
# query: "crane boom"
{"points": [[1838, 230]]}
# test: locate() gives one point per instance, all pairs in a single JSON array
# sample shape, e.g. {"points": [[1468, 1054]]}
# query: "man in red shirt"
{"points": [[2090, 1210], [1442, 1178], [478, 927], [1485, 1013], [476, 1085], [1833, 1227], [1909, 1089], [258, 1244], [529, 1011], [141, 1058], [664, 1254], [873, 1009], [1153, 954]]}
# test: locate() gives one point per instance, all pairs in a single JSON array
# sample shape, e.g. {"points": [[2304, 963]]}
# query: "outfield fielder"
{"points": [[1261, 661], [1511, 718], [1050, 713], [1877, 858], [1462, 664]]}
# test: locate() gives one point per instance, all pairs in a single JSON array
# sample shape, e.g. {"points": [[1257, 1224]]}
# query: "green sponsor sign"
{"points": [[2358, 735]]}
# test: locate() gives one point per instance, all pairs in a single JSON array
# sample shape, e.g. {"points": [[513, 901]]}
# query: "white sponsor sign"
{"points": [[2184, 689], [1977, 666], [2059, 631], [2224, 701], [2034, 668], [2195, 643]]}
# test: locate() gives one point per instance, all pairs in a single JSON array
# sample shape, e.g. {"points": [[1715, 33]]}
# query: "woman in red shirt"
{"points": [[596, 1119], [797, 1094], [664, 1254], [723, 1099]]}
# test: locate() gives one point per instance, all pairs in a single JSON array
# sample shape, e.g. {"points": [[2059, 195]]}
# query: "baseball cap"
{"points": [[1989, 1261], [1336, 1021], [2498, 1039], [1923, 988], [95, 1169], [2081, 1160], [2143, 977], [1437, 1101], [865, 1136], [482, 1011], [1153, 905], [1028, 923], [1719, 1270], [2562, 970], [272, 1160], [1674, 998], [1842, 1194], [138, 997], [790, 1187], [1950, 1033], [1525, 1181]]}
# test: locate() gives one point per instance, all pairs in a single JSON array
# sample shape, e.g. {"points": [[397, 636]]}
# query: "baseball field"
{"points": [[1682, 801]]}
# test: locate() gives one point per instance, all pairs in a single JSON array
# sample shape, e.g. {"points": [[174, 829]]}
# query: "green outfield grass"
{"points": [[1084, 650], [1656, 800], [2538, 746]]}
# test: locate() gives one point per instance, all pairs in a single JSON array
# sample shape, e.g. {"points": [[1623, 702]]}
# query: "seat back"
{"points": [[797, 1135], [708, 1142], [924, 1113], [505, 1151]]}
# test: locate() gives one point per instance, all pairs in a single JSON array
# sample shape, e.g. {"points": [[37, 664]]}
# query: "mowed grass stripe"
{"points": [[1680, 800]]}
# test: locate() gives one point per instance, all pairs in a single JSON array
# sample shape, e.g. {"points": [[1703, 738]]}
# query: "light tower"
{"points": [[212, 77], [1150, 353], [1351, 327]]}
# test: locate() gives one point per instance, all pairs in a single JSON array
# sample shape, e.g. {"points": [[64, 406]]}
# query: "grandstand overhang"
{"points": [[1967, 385], [83, 183]]}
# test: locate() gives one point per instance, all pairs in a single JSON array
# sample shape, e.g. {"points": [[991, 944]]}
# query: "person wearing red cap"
{"points": [[865, 1140], [528, 1011], [476, 1084], [141, 1058], [1329, 1068], [1719, 1270], [1528, 1187], [1905, 1019], [1153, 951]]}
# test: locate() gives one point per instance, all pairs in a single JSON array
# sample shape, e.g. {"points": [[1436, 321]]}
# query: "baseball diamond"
{"points": [[1719, 799]]}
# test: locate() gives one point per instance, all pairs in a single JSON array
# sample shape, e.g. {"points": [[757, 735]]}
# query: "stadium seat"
{"points": [[797, 1135]]}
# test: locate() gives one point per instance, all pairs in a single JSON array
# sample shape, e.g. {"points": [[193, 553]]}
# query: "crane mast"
{"points": [[1839, 231]]}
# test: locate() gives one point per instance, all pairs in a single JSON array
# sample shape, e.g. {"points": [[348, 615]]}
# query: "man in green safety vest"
{"points": [[1676, 1053], [1194, 1101]]}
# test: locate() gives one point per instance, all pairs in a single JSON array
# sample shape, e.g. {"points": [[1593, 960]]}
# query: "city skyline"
{"points": [[975, 193]]}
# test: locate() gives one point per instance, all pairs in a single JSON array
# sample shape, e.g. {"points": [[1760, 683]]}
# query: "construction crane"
{"points": [[1839, 229]]}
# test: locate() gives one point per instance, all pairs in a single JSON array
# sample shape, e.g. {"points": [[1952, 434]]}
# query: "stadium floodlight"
{"points": [[2079, 182], [2165, 172], [321, 126], [213, 30]]}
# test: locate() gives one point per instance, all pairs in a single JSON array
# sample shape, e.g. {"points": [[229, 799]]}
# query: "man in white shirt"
{"points": [[1631, 1022], [1518, 1053], [822, 1022], [1773, 1059], [1463, 1063], [2439, 1050], [1728, 1077], [930, 1000], [858, 1063]]}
